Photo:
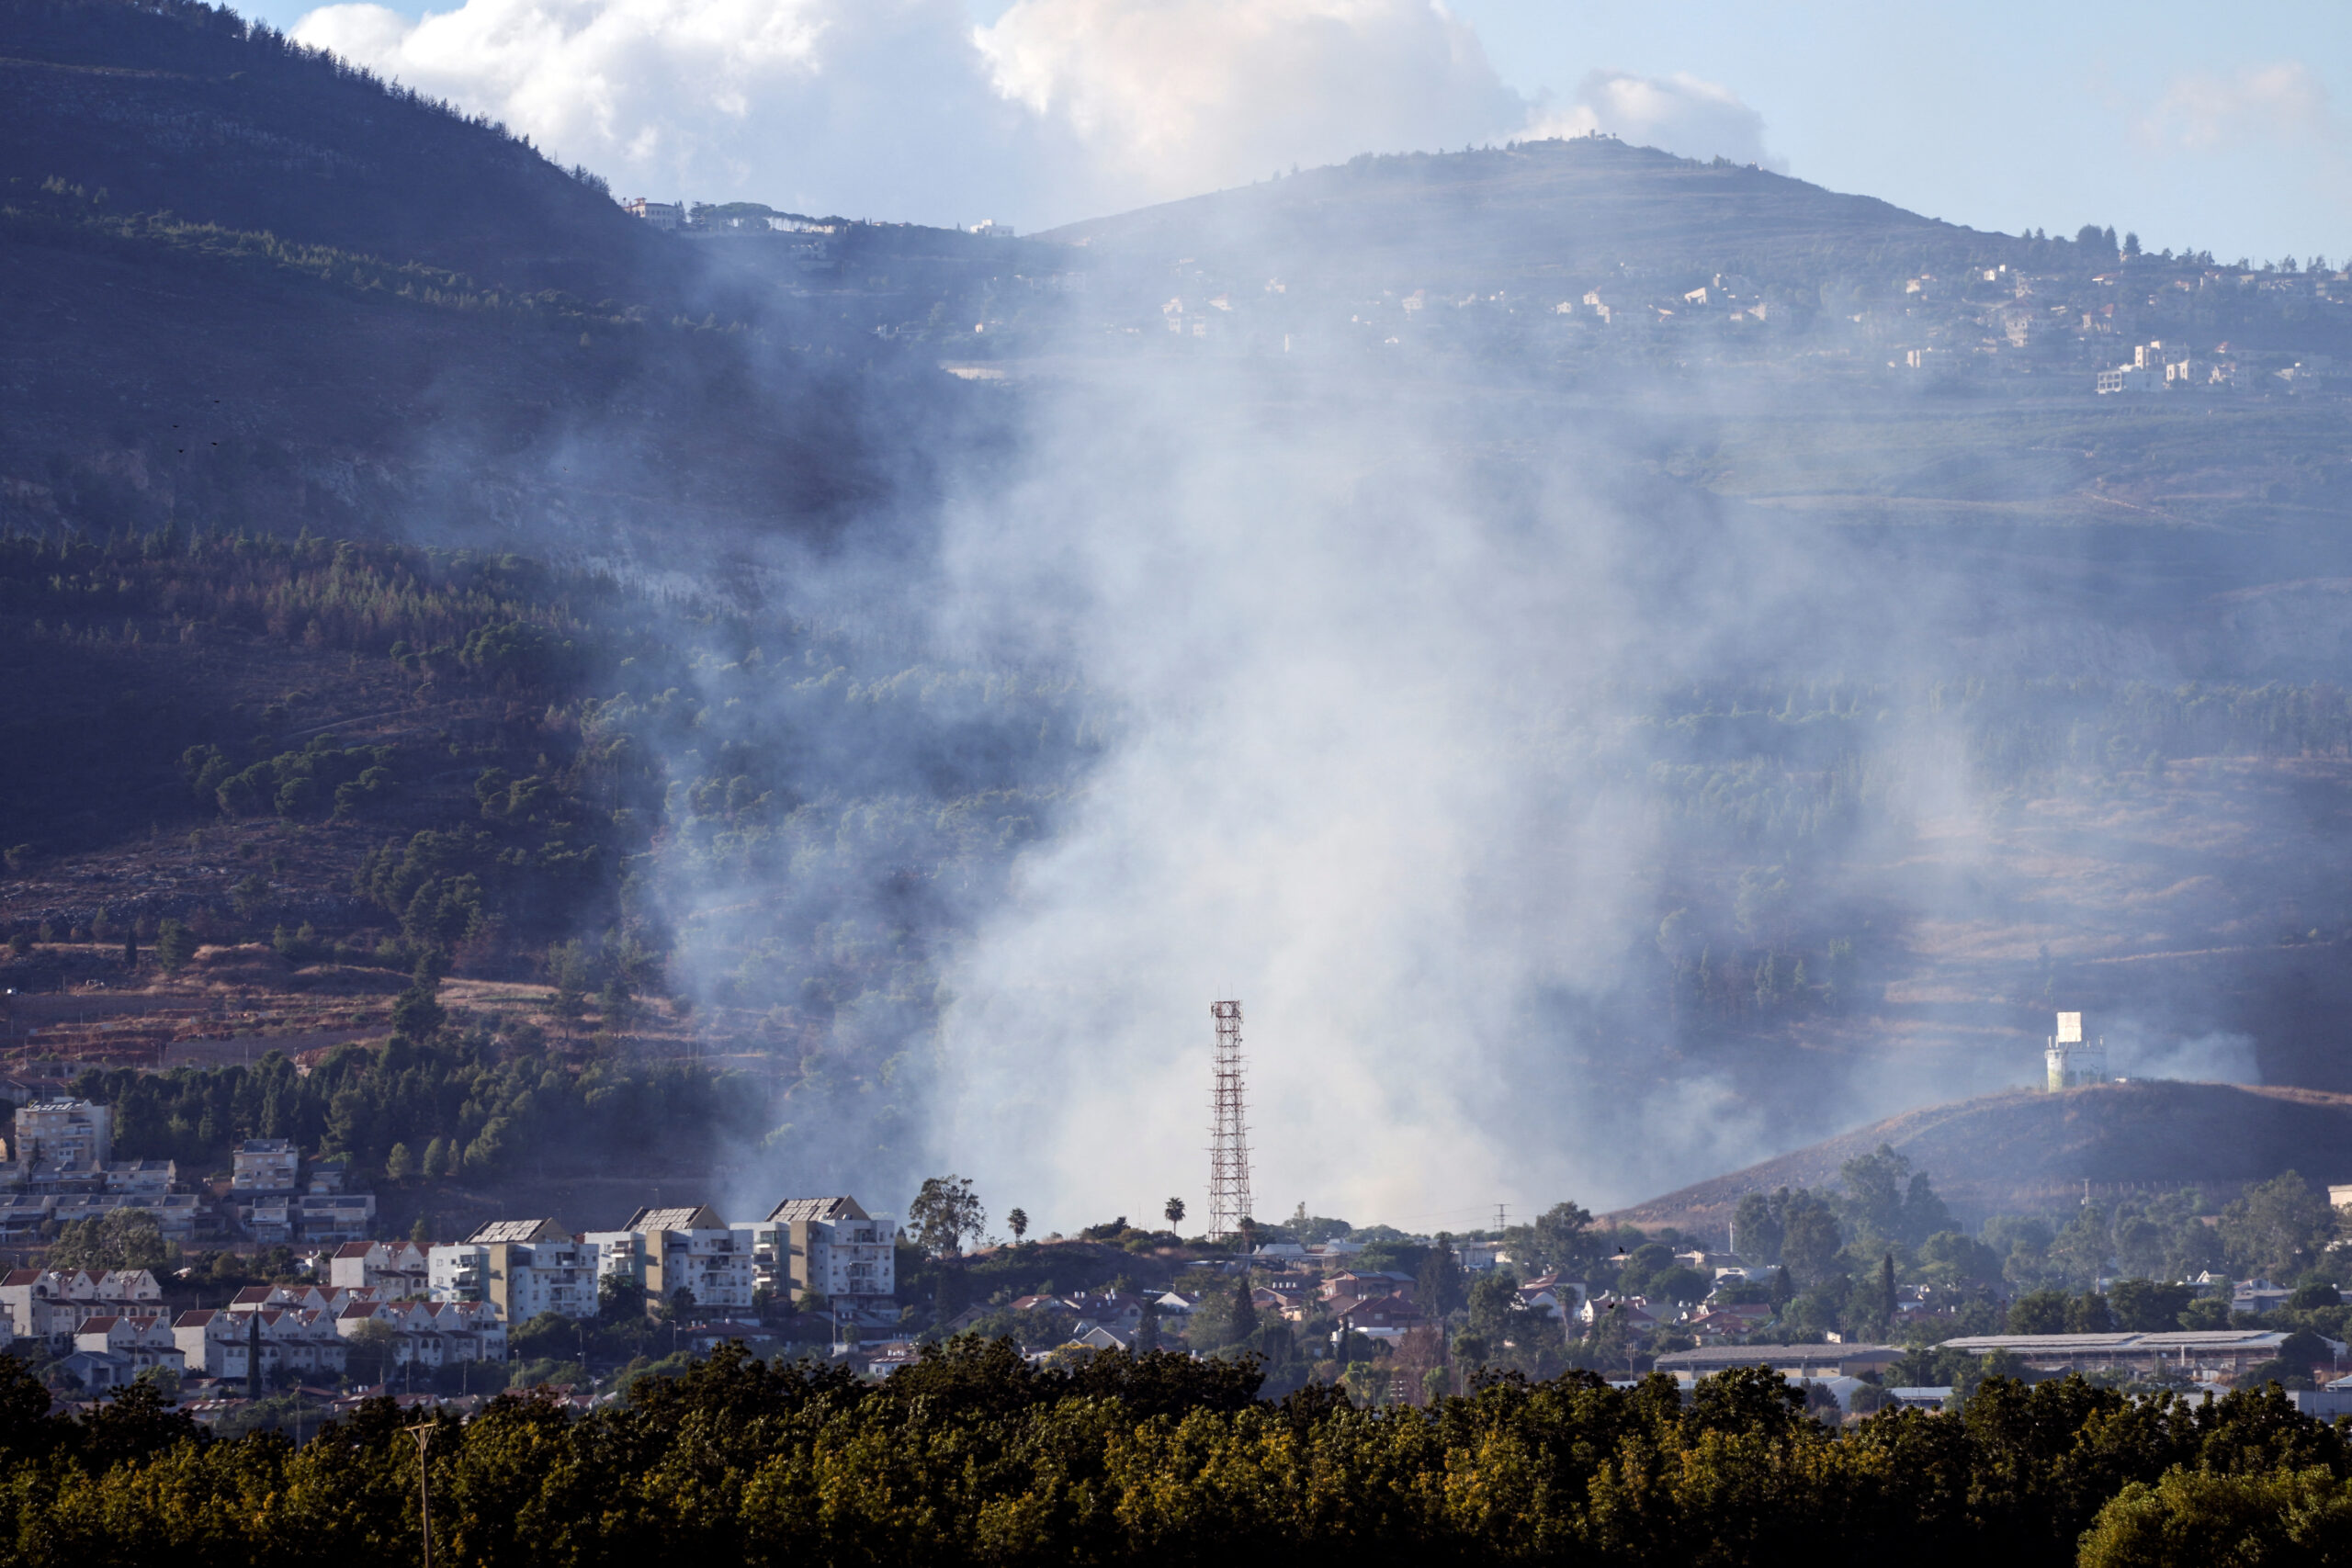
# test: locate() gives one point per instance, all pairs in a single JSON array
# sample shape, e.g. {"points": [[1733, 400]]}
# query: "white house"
{"points": [[146, 1340], [396, 1268]]}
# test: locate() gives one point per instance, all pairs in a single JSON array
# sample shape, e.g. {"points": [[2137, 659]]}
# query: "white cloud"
{"points": [[2204, 110], [1059, 109], [1680, 114], [870, 106], [1174, 96], [902, 108]]}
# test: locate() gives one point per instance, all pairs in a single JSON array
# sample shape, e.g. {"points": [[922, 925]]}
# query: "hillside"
{"points": [[2025, 1152], [254, 287], [1561, 208], [173, 105]]}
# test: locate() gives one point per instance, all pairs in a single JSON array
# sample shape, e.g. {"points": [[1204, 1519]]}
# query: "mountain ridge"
{"points": [[1581, 206]]}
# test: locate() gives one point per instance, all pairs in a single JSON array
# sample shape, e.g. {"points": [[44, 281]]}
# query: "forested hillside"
{"points": [[408, 764], [175, 107]]}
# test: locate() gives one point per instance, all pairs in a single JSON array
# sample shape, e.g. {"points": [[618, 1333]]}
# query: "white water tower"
{"points": [[2073, 1060]]}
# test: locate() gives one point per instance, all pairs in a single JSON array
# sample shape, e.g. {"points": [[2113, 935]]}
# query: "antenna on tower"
{"points": [[1230, 1129]]}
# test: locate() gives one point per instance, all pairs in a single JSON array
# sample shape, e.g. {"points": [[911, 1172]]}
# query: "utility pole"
{"points": [[1502, 1219], [1228, 1130], [422, 1433]]}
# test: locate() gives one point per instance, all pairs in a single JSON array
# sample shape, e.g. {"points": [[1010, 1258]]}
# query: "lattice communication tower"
{"points": [[1230, 1129]]}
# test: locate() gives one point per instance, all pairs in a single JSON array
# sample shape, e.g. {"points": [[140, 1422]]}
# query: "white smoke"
{"points": [[1363, 784], [2200, 111]]}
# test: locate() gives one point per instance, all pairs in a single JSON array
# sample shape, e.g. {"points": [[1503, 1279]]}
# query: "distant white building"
{"points": [[519, 1269], [394, 1268], [831, 1245], [693, 1249], [265, 1165], [430, 1334], [300, 1339], [667, 216], [146, 1339], [64, 1135], [50, 1304]]}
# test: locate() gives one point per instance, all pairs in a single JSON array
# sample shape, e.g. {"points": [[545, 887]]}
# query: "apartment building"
{"points": [[59, 1135], [265, 1165], [520, 1269], [831, 1245], [695, 1250]]}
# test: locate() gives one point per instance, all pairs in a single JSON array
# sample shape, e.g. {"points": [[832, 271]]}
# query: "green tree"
{"points": [[1440, 1283], [619, 1299], [125, 1238], [2144, 1306], [2192, 1516], [1242, 1319], [175, 946], [567, 968], [945, 1213], [1017, 1222], [1174, 1212], [1755, 1227], [1495, 1308], [2038, 1312], [417, 1013], [2278, 1228], [1949, 1257], [1810, 1241], [2088, 1313], [398, 1164]]}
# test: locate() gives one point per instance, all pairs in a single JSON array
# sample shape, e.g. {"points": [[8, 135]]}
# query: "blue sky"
{"points": [[2002, 115], [2224, 128]]}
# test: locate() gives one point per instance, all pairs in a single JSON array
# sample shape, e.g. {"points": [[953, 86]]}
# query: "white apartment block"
{"points": [[520, 1269], [831, 1245], [64, 1135], [265, 1165], [694, 1250]]}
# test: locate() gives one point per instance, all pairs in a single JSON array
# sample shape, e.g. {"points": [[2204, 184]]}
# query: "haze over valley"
{"points": [[1632, 663]]}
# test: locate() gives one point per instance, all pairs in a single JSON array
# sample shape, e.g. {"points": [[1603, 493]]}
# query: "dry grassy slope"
{"points": [[2021, 1151]]}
